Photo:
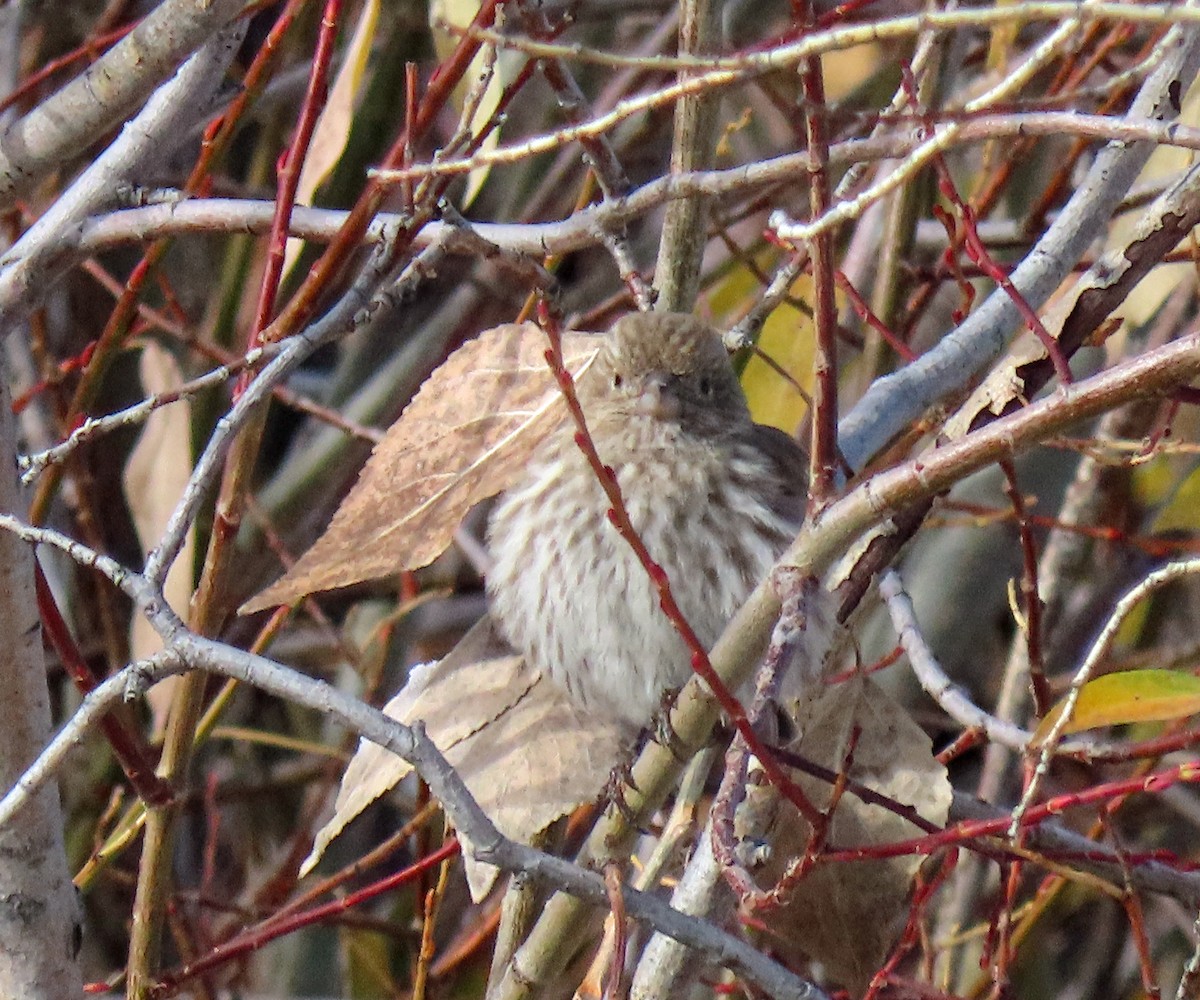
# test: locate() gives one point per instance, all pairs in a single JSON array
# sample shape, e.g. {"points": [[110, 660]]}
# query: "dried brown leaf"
{"points": [[524, 751], [154, 480], [847, 915], [463, 438]]}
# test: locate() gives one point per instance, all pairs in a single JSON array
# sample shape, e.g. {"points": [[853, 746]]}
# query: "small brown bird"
{"points": [[714, 496]]}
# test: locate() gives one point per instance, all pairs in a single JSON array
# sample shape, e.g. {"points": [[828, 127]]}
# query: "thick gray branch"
{"points": [[893, 402], [38, 918], [47, 248], [71, 119]]}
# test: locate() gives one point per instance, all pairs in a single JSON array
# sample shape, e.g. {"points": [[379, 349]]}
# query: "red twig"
{"points": [[885, 661], [979, 254], [341, 248], [128, 745], [410, 116], [967, 740], [212, 840], [1157, 747], [1040, 687], [1000, 934], [795, 872], [64, 368], [1132, 905], [857, 789], [216, 137], [859, 304], [1160, 547], [289, 174], [925, 891], [965, 832], [273, 928], [442, 83], [950, 262], [91, 50]]}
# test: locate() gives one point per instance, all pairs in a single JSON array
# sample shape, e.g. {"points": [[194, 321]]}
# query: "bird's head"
{"points": [[670, 368]]}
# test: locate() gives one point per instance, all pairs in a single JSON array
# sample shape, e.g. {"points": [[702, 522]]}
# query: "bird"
{"points": [[715, 498]]}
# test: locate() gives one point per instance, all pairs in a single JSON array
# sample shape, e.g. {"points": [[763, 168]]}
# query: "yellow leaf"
{"points": [[846, 70], [1154, 482], [1128, 696], [1182, 511], [786, 338], [498, 68]]}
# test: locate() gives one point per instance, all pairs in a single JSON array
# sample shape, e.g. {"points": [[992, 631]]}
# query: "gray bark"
{"points": [[39, 924], [105, 94]]}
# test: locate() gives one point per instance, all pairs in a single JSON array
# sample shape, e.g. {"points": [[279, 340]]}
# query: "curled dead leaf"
{"points": [[464, 437], [522, 748], [847, 915]]}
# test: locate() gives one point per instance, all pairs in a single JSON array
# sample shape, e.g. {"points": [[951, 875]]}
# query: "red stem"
{"points": [[92, 48], [289, 176], [963, 833], [216, 136], [780, 893], [445, 78], [1039, 685], [860, 306], [349, 237], [978, 253], [273, 928], [129, 747]]}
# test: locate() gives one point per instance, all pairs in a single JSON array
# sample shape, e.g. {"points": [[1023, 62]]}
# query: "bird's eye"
{"points": [[706, 387], [617, 381]]}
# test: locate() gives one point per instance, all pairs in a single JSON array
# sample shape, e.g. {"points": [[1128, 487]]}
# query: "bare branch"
{"points": [[70, 120], [44, 251]]}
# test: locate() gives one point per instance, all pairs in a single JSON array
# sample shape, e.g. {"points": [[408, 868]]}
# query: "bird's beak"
{"points": [[657, 398]]}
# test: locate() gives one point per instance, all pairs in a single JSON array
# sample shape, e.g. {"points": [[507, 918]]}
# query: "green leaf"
{"points": [[1128, 696]]}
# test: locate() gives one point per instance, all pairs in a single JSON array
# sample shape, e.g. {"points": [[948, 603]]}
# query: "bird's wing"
{"points": [[791, 462]]}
